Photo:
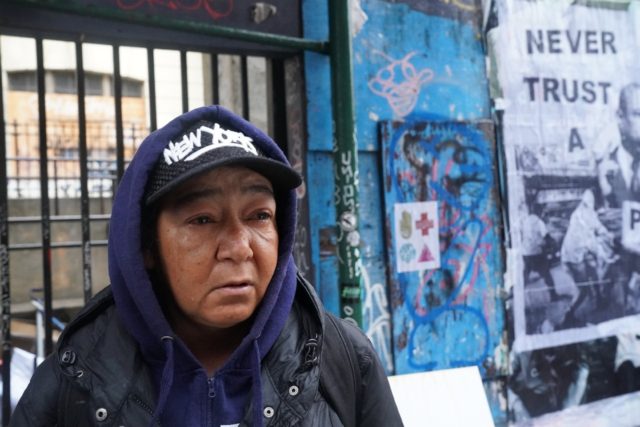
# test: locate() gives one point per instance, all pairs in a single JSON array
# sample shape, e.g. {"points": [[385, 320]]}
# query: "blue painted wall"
{"points": [[450, 316], [410, 61]]}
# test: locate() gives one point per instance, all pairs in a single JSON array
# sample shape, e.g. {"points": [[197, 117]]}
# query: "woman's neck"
{"points": [[211, 346]]}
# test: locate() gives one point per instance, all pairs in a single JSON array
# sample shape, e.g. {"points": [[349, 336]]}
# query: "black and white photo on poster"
{"points": [[570, 95], [595, 380], [549, 380], [553, 379]]}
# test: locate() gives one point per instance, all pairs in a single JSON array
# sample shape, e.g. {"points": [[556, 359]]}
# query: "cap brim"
{"points": [[282, 176]]}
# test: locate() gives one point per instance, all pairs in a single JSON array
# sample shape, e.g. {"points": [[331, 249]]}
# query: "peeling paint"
{"points": [[358, 17]]}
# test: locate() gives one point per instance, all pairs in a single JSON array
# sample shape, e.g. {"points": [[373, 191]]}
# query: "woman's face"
{"points": [[218, 246]]}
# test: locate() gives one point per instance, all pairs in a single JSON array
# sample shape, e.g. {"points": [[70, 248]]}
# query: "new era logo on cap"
{"points": [[207, 145], [205, 139]]}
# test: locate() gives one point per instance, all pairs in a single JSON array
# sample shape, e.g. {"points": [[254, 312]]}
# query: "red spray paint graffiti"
{"points": [[216, 9]]}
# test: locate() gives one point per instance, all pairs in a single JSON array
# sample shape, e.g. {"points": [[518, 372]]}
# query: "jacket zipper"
{"points": [[212, 387], [211, 392]]}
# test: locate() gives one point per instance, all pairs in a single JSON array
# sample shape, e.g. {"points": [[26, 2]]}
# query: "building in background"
{"points": [[19, 69]]}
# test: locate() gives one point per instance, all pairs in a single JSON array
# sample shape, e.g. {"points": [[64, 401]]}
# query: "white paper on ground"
{"points": [[445, 398]]}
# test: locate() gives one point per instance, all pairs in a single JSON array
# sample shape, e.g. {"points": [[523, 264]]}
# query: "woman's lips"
{"points": [[233, 288]]}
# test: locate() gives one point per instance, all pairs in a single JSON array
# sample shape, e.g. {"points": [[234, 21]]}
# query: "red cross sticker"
{"points": [[424, 224]]}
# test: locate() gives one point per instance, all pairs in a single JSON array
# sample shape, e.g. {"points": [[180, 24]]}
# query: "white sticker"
{"points": [[417, 239]]}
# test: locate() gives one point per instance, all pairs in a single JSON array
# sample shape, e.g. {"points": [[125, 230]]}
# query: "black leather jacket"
{"points": [[97, 375]]}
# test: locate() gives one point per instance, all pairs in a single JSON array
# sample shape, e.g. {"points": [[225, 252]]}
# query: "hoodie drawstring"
{"points": [[256, 386], [166, 381]]}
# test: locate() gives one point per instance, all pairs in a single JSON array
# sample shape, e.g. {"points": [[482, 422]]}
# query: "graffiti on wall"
{"points": [[449, 316], [348, 238], [462, 10], [215, 9], [376, 317], [400, 83]]}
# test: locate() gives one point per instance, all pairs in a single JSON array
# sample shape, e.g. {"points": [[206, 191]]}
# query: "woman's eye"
{"points": [[201, 220], [263, 216]]}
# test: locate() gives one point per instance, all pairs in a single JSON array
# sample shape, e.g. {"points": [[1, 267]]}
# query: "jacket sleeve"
{"points": [[377, 405], [38, 406]]}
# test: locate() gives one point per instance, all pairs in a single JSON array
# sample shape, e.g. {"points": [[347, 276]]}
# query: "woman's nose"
{"points": [[234, 242]]}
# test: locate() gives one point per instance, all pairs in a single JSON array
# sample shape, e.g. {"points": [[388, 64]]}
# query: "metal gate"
{"points": [[71, 127]]}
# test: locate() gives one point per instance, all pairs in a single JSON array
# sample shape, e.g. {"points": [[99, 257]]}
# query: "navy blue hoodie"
{"points": [[186, 396]]}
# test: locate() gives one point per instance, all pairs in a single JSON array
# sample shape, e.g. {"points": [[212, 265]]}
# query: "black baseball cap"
{"points": [[207, 145]]}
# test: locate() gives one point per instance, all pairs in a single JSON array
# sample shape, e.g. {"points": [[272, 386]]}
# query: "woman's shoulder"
{"points": [[91, 322]]}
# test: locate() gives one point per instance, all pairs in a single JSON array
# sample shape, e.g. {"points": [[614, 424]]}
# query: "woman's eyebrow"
{"points": [[257, 188], [191, 196]]}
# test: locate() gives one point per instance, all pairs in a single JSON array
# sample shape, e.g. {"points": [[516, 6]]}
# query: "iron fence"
{"points": [[52, 163]]}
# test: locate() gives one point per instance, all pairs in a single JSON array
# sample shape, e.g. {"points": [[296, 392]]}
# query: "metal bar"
{"points": [[56, 218], [154, 20], [44, 198], [132, 136], [345, 149], [37, 304], [56, 202], [153, 115], [84, 176], [58, 245], [51, 158], [214, 79], [244, 78], [16, 149], [4, 266], [184, 79], [503, 194], [278, 101], [39, 334], [117, 96]]}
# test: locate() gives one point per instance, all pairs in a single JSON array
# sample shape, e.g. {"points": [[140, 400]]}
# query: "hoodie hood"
{"points": [[136, 302]]}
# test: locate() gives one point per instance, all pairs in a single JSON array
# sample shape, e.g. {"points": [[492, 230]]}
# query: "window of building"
{"points": [[131, 87], [64, 82], [93, 84], [68, 152], [22, 81]]}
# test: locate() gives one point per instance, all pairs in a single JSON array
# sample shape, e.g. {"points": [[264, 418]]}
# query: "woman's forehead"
{"points": [[220, 182], [226, 176]]}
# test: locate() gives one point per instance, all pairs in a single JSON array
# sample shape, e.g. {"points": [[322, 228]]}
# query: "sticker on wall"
{"points": [[417, 237]]}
